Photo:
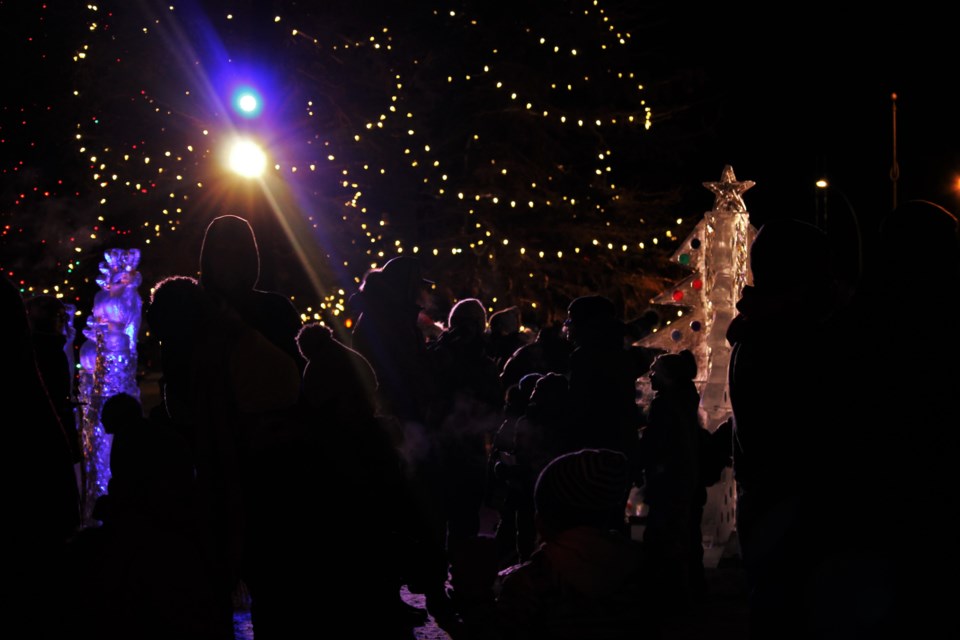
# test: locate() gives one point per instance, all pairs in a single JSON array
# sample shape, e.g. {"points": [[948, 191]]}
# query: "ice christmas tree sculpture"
{"points": [[716, 251]]}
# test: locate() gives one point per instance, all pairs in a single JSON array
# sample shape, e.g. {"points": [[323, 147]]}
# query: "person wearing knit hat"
{"points": [[583, 488], [586, 579], [338, 399], [337, 382]]}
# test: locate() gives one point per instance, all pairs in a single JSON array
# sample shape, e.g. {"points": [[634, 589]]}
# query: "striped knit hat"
{"points": [[587, 487]]}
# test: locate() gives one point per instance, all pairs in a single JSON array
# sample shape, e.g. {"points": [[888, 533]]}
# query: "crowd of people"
{"points": [[285, 457]]}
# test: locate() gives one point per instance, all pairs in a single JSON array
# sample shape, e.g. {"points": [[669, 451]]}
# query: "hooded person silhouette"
{"points": [[908, 354], [788, 374], [230, 271], [43, 510]]}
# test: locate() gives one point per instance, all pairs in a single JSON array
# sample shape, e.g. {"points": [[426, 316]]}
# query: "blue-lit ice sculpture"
{"points": [[108, 361]]}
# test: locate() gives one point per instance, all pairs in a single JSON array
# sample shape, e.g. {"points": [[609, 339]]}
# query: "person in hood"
{"points": [[230, 271], [908, 354], [673, 490], [43, 505], [787, 379]]}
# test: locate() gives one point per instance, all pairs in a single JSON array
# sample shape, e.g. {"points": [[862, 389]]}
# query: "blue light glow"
{"points": [[247, 102]]}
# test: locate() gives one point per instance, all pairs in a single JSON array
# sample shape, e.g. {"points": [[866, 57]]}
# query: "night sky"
{"points": [[805, 95], [783, 97]]}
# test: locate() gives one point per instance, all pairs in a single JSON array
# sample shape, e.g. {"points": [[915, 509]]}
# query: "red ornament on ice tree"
{"points": [[678, 295]]}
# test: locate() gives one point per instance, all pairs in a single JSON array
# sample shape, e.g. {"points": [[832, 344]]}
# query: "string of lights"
{"points": [[483, 142]]}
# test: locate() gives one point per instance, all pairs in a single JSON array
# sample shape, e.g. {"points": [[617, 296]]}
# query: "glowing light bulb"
{"points": [[247, 159], [247, 102]]}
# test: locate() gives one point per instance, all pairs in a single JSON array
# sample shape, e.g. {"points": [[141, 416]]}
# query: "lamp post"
{"points": [[894, 167], [824, 188], [821, 203]]}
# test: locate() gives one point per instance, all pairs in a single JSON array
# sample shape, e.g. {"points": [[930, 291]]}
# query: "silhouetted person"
{"points": [[233, 393], [340, 385], [348, 450], [151, 466], [179, 316], [603, 377], [387, 334], [230, 270], [906, 444], [505, 488], [465, 417], [142, 572], [48, 322], [673, 489], [548, 353], [643, 357], [467, 412], [787, 377], [547, 429], [586, 580], [504, 336], [43, 502]]}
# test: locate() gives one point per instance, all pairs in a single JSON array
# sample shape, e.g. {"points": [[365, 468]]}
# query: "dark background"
{"points": [[801, 92]]}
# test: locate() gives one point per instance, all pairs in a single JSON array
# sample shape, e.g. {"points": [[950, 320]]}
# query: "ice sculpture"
{"points": [[108, 361], [717, 252]]}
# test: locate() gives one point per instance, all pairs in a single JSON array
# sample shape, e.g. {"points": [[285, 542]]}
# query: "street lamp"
{"points": [[956, 191], [824, 188]]}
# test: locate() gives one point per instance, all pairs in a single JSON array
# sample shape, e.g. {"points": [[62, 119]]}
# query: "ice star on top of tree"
{"points": [[729, 192]]}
